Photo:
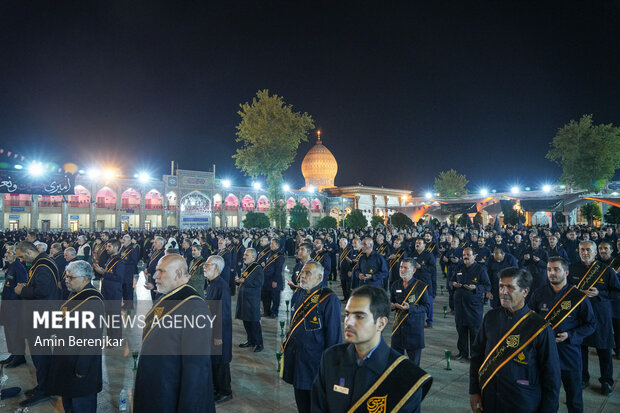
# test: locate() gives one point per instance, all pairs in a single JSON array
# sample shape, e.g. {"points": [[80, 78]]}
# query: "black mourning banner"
{"points": [[535, 205], [21, 182], [461, 208]]}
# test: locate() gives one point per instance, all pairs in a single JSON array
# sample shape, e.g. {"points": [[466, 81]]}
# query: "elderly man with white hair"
{"points": [[76, 372], [218, 291]]}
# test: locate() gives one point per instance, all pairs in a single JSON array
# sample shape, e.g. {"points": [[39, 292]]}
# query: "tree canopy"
{"points": [[588, 154], [376, 220], [327, 222], [612, 216], [270, 133], [400, 220], [356, 220], [299, 217], [450, 184], [591, 212], [255, 220]]}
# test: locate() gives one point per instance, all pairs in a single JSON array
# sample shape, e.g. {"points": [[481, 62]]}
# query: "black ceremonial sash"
{"points": [[76, 301], [565, 306], [392, 390], [343, 255], [594, 273], [263, 253], [195, 266], [413, 297], [309, 304], [615, 264], [248, 271], [318, 257], [156, 256], [399, 255], [166, 305], [43, 262], [381, 249], [357, 259], [272, 259], [515, 340]]}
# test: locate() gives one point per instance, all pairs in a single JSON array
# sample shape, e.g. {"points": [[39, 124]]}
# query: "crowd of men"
{"points": [[553, 294]]}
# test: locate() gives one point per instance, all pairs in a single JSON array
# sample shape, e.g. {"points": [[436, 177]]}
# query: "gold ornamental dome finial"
{"points": [[319, 166]]}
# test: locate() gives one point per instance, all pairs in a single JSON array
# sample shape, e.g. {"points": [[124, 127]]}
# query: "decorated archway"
{"points": [[130, 199], [153, 199], [173, 202], [247, 203], [231, 203], [195, 210], [106, 198], [290, 203], [81, 199], [316, 205], [263, 204]]}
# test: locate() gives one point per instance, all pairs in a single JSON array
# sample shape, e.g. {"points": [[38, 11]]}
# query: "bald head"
{"points": [[171, 273]]}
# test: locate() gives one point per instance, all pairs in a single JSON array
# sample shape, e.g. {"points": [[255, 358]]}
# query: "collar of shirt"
{"points": [[371, 351]]}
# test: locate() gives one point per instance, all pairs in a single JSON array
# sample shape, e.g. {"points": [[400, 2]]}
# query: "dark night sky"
{"points": [[400, 93]]}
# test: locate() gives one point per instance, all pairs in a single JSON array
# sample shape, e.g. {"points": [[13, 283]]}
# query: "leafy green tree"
{"points": [[478, 219], [376, 220], [256, 220], [588, 154], [299, 217], [591, 212], [356, 220], [270, 133], [450, 184], [327, 222], [400, 220], [612, 216], [511, 216]]}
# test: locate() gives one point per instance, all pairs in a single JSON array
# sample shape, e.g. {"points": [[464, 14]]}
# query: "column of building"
{"points": [[64, 213], [1, 211], [119, 194], [34, 216], [142, 207]]}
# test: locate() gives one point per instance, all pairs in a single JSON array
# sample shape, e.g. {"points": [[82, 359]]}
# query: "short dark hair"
{"points": [[420, 239], [307, 245], [500, 249], [524, 278], [198, 247], [379, 300], [115, 243], [563, 262]]}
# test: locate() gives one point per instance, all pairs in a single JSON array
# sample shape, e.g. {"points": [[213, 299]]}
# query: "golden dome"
{"points": [[319, 166]]}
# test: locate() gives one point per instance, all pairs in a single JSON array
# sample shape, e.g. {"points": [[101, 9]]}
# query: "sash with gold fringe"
{"points": [[414, 295], [394, 388], [399, 255], [564, 306], [356, 259], [76, 301], [272, 259], [343, 255], [309, 304], [156, 255], [43, 262], [594, 273], [167, 305], [263, 253], [197, 263], [249, 270], [516, 339]]}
